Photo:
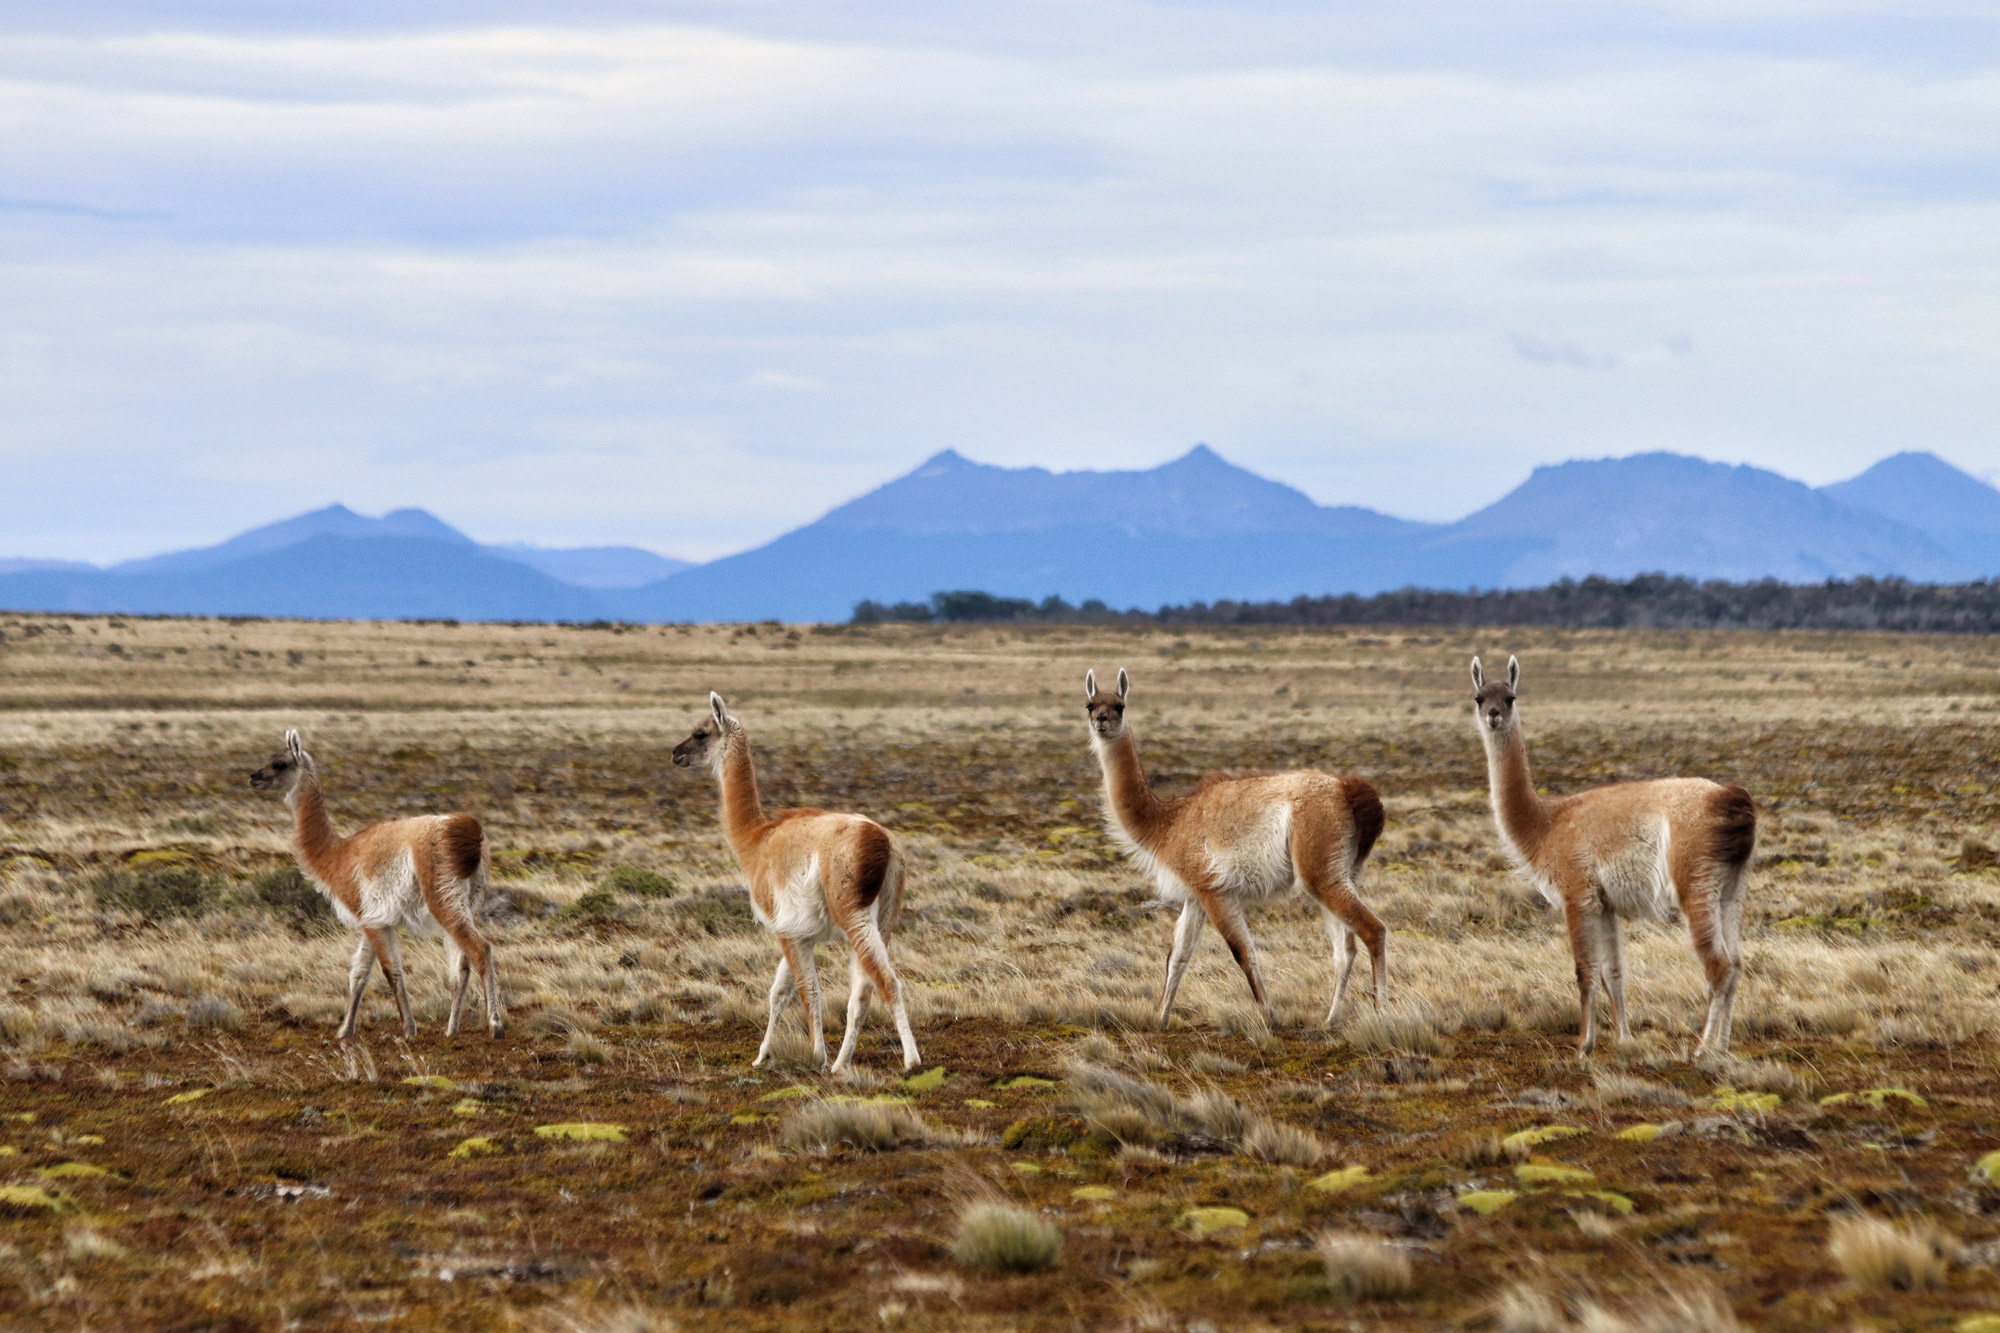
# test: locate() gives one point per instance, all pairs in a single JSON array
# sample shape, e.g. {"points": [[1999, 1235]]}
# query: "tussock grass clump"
{"points": [[1690, 1309], [1004, 1236], [1135, 1113], [1614, 1088], [1913, 1256], [18, 1026], [214, 1013], [1362, 1268], [586, 1049], [1393, 1032], [870, 1126], [1756, 1075], [1282, 1145]]}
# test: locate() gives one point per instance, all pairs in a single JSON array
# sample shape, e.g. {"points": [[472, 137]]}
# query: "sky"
{"points": [[684, 276]]}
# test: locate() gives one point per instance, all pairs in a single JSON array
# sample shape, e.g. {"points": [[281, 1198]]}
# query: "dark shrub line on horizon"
{"points": [[1649, 601]]}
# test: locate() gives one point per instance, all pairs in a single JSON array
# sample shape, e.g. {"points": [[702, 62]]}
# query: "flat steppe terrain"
{"points": [[183, 1144]]}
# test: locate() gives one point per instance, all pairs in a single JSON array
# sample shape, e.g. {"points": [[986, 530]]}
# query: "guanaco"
{"points": [[1237, 840], [1661, 848], [419, 874], [812, 874]]}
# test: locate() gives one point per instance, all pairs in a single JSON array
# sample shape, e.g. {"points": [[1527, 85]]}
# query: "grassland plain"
{"points": [[184, 1145]]}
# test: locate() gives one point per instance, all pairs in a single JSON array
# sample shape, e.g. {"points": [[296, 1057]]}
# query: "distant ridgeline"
{"points": [[1650, 601]]}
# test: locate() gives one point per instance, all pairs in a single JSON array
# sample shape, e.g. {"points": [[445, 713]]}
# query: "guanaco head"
{"points": [[1493, 704], [705, 743], [282, 773], [1106, 711]]}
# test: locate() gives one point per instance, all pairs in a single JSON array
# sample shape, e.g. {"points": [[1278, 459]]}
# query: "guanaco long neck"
{"points": [[312, 831], [1141, 815], [742, 804], [1522, 813]]}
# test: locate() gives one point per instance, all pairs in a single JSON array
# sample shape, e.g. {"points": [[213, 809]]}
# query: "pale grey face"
{"points": [[1106, 709], [278, 775], [693, 752], [1492, 700], [1494, 706]]}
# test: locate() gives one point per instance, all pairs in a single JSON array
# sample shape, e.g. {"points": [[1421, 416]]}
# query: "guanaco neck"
{"points": [[743, 819], [312, 831], [1139, 814], [1520, 810]]}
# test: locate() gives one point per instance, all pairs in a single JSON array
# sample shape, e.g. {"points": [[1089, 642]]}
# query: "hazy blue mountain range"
{"points": [[1194, 529]]}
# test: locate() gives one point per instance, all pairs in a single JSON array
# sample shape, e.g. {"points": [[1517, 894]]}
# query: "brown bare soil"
{"points": [[184, 1145]]}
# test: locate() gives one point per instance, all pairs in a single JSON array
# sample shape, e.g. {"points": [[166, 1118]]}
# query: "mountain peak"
{"points": [[942, 462], [1919, 489]]}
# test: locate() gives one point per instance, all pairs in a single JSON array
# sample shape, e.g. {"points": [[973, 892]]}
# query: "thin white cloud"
{"points": [[681, 283]]}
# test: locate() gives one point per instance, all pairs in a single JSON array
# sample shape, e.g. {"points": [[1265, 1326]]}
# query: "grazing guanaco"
{"points": [[419, 874], [1661, 848], [812, 874], [1236, 840]]}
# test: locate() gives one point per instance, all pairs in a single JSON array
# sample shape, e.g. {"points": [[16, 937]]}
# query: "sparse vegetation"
{"points": [[1188, 1171], [156, 893]]}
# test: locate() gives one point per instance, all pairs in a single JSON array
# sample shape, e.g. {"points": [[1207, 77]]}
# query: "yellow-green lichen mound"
{"points": [[1006, 1237], [583, 1130], [28, 1200], [1487, 1202], [1205, 1222]]}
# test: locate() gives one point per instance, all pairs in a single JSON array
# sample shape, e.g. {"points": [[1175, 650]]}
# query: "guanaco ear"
{"points": [[1478, 675], [1513, 673], [292, 746], [1090, 685], [720, 709], [1124, 683]]}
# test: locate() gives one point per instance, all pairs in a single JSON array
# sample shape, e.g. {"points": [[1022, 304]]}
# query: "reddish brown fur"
{"points": [[1366, 807], [858, 882], [447, 856], [1211, 844], [1598, 853]]}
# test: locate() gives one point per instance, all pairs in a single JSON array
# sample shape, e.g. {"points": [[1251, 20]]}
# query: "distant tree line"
{"points": [[1650, 601]]}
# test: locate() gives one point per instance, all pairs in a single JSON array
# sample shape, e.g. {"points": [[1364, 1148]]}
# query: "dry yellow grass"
{"points": [[1030, 950]]}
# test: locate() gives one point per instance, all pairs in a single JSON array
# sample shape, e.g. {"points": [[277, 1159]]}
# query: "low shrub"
{"points": [[724, 913], [593, 905], [633, 882], [157, 893], [289, 896]]}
